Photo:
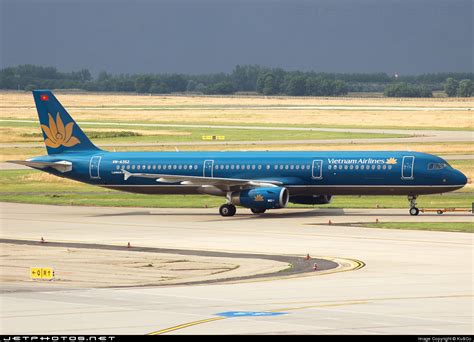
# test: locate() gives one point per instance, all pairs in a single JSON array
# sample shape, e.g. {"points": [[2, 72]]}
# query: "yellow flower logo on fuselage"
{"points": [[391, 161], [258, 198], [58, 134]]}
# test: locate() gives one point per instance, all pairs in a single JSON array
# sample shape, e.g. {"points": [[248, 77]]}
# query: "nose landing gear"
{"points": [[413, 209]]}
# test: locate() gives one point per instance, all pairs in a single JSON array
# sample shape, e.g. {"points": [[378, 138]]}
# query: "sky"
{"points": [[208, 36]]}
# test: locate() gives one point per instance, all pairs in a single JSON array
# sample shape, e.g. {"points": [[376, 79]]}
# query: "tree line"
{"points": [[243, 78]]}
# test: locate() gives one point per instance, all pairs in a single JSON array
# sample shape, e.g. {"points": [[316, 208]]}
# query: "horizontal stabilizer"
{"points": [[61, 166]]}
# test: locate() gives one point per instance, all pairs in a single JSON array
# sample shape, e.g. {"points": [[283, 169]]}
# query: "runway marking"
{"points": [[186, 325], [208, 320], [354, 265], [328, 305]]}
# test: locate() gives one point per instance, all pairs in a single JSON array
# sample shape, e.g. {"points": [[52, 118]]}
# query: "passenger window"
{"points": [[128, 167], [378, 167], [138, 167], [351, 167], [329, 167], [118, 167], [180, 167], [185, 167], [357, 167], [133, 167], [297, 167], [390, 167], [232, 167], [174, 167]]}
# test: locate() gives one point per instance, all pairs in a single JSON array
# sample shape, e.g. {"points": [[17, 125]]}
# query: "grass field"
{"points": [[465, 227], [350, 111], [14, 132]]}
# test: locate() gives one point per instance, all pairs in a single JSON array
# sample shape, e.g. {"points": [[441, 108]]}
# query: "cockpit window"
{"points": [[437, 166]]}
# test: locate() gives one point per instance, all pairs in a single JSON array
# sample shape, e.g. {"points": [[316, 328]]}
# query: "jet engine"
{"points": [[314, 199], [261, 198]]}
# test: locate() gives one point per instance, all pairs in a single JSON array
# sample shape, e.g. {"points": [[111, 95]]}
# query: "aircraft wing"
{"points": [[224, 183], [61, 166]]}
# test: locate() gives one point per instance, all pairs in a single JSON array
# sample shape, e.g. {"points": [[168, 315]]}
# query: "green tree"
{"points": [[451, 86], [340, 87], [407, 90], [269, 86], [160, 88], [143, 83], [296, 86], [191, 85], [465, 88], [222, 88]]}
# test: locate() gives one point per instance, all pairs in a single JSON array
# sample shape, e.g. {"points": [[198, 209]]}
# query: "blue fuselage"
{"points": [[302, 173]]}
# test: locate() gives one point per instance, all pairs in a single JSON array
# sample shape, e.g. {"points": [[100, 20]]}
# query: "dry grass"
{"points": [[23, 134], [233, 110]]}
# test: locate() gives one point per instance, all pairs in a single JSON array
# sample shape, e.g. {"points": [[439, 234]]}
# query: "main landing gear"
{"points": [[227, 209], [413, 209]]}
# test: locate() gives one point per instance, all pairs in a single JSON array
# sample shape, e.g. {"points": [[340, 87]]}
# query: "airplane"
{"points": [[256, 180]]}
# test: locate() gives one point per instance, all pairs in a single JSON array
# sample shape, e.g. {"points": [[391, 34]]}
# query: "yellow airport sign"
{"points": [[41, 273], [213, 137]]}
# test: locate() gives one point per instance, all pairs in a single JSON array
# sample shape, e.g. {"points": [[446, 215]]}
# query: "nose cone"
{"points": [[459, 178]]}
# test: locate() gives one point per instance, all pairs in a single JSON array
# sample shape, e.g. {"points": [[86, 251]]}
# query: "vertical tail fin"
{"points": [[60, 132]]}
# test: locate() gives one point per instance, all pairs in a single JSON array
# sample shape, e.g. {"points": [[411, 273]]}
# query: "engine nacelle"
{"points": [[314, 199], [261, 198]]}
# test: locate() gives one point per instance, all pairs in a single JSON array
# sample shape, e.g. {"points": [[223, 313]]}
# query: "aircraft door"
{"points": [[407, 167], [208, 170], [317, 169], [94, 167]]}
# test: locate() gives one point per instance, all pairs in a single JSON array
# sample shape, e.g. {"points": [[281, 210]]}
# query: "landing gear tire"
{"points": [[257, 211], [414, 211], [227, 210]]}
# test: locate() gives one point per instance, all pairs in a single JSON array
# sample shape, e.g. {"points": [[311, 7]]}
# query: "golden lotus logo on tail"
{"points": [[258, 198], [58, 134], [391, 161]]}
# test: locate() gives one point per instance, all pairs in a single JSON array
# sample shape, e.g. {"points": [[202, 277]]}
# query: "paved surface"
{"points": [[414, 282]]}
